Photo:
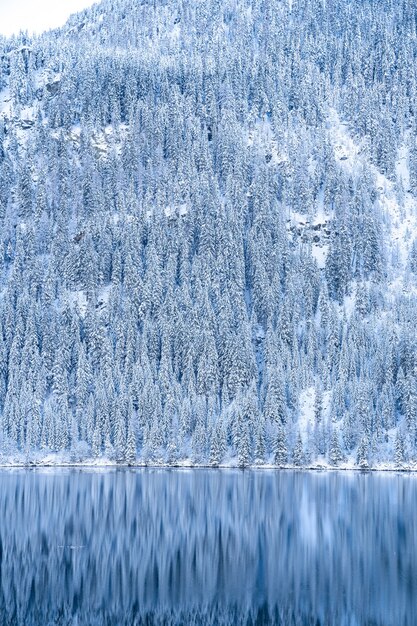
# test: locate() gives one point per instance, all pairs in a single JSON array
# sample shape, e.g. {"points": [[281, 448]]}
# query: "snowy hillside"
{"points": [[208, 247]]}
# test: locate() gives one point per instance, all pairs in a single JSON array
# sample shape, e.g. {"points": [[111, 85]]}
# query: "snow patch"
{"points": [[174, 211], [320, 254], [261, 138], [306, 418], [345, 149], [5, 103], [78, 299]]}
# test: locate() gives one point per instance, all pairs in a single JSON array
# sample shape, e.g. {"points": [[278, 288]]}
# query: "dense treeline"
{"points": [[161, 296]]}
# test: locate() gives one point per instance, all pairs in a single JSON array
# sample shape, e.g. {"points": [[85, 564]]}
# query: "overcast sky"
{"points": [[37, 15]]}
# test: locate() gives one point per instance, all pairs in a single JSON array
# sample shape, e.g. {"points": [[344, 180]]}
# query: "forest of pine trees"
{"points": [[192, 268]]}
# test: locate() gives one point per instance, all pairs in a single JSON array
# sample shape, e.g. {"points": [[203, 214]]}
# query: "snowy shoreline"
{"points": [[107, 464]]}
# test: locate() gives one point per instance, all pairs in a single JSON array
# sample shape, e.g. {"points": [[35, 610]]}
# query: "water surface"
{"points": [[127, 547]]}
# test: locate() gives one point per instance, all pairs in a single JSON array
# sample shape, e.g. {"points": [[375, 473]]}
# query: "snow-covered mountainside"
{"points": [[208, 247]]}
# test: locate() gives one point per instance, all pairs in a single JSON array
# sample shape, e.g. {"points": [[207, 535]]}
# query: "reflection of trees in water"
{"points": [[216, 615], [206, 547]]}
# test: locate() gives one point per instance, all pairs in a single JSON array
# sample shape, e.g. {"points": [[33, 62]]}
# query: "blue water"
{"points": [[126, 547]]}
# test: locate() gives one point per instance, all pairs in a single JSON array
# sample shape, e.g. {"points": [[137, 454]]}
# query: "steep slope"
{"points": [[207, 235]]}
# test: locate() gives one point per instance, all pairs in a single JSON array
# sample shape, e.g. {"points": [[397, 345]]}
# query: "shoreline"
{"points": [[110, 465]]}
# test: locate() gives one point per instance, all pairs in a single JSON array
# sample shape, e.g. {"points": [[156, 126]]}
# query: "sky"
{"points": [[37, 15]]}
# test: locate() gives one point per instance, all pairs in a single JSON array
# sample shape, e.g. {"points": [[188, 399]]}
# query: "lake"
{"points": [[126, 547]]}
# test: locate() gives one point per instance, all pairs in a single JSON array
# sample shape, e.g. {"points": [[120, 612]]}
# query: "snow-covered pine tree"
{"points": [[280, 446]]}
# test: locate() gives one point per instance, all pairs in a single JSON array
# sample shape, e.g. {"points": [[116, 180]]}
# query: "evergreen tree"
{"points": [[130, 453], [335, 452], [298, 452], [399, 452], [280, 447], [244, 446], [362, 454]]}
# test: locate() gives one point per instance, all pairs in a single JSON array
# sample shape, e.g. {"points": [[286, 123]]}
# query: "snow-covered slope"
{"points": [[207, 235]]}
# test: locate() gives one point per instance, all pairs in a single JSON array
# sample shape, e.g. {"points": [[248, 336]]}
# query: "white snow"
{"points": [[78, 299], [261, 138], [349, 303], [103, 298], [176, 32], [109, 138], [45, 462], [177, 210], [303, 226], [346, 150], [306, 418], [5, 103], [320, 254]]}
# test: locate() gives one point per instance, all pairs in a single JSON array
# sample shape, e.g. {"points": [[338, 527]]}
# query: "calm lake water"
{"points": [[129, 547]]}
